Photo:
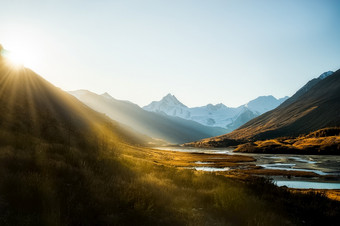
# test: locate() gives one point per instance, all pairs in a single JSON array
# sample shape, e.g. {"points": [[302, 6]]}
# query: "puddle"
{"points": [[279, 165], [199, 162], [289, 167], [307, 185], [321, 165], [298, 159], [220, 152], [211, 169], [272, 157]]}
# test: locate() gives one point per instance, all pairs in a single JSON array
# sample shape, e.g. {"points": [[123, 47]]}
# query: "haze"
{"points": [[201, 51]]}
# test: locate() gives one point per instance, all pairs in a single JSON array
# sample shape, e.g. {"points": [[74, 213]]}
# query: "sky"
{"points": [[200, 51]]}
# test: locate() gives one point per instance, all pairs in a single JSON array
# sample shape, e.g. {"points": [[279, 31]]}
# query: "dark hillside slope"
{"points": [[315, 109], [306, 88], [31, 106]]}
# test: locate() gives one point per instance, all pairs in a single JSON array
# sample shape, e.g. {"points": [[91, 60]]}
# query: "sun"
{"points": [[21, 55], [15, 59]]}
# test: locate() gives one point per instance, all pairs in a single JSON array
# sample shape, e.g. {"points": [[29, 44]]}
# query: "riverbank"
{"points": [[246, 167], [321, 142]]}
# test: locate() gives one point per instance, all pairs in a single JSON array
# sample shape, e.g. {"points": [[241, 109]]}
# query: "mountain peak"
{"points": [[169, 96], [309, 85], [263, 104], [106, 95], [171, 100], [215, 107], [325, 74], [170, 106]]}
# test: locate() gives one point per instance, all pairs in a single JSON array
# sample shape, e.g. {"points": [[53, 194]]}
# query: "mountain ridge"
{"points": [[306, 111], [160, 126], [215, 115]]}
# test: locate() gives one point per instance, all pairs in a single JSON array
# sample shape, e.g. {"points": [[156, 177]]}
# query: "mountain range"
{"points": [[63, 163], [160, 126], [215, 115], [172, 121], [315, 106]]}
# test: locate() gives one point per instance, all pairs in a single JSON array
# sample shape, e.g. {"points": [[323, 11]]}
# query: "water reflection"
{"points": [[323, 165], [308, 184], [211, 169]]}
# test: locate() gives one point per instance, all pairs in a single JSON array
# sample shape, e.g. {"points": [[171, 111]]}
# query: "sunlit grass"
{"points": [[323, 141], [64, 164], [106, 186]]}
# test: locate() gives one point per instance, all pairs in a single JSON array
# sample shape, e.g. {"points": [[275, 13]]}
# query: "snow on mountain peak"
{"points": [[263, 104], [171, 100], [170, 106], [215, 107], [314, 81], [214, 115], [325, 74]]}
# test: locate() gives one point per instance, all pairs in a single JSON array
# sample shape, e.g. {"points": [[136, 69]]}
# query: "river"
{"points": [[323, 165]]}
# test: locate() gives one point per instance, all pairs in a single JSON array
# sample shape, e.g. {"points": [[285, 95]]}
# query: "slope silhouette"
{"points": [[305, 112], [31, 106]]}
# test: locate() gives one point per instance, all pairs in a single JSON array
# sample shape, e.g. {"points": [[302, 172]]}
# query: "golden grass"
{"points": [[65, 164], [325, 141]]}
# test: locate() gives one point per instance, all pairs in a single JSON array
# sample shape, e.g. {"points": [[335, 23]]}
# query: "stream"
{"points": [[323, 165]]}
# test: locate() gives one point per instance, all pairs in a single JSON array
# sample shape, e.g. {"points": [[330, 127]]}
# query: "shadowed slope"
{"points": [[31, 106], [317, 108]]}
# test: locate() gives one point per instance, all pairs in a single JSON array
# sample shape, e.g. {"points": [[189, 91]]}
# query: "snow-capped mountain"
{"points": [[174, 130], [263, 104], [312, 82], [215, 115], [170, 106], [325, 74]]}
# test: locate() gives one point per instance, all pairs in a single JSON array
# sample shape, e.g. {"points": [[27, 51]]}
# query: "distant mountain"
{"points": [[244, 117], [157, 125], [313, 107], [263, 104], [215, 115], [170, 106]]}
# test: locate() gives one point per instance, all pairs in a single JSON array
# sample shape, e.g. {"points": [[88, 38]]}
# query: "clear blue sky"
{"points": [[201, 51]]}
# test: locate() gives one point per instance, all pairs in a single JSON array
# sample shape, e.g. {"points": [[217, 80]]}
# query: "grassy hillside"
{"points": [[303, 113], [324, 141], [61, 163]]}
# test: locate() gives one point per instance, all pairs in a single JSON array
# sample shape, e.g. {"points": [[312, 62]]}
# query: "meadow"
{"points": [[106, 181]]}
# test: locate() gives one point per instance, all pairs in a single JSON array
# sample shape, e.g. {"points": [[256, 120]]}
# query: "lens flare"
{"points": [[21, 55], [15, 59]]}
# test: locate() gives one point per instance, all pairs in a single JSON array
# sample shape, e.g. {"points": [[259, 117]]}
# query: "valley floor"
{"points": [[240, 167], [119, 184]]}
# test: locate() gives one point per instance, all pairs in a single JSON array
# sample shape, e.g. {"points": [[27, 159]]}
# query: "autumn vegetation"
{"points": [[62, 163], [323, 141]]}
